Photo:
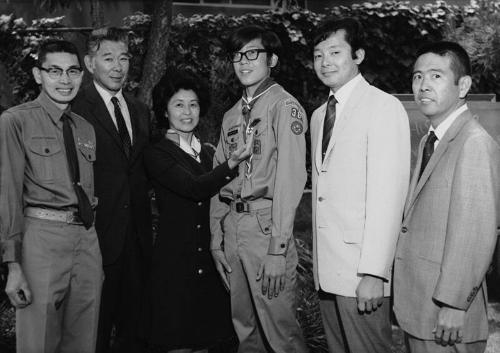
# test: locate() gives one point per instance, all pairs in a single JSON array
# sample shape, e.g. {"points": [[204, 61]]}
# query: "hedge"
{"points": [[394, 32]]}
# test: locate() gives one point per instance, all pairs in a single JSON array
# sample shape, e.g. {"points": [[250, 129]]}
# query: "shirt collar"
{"points": [[49, 106], [446, 123], [343, 93], [192, 149], [106, 96]]}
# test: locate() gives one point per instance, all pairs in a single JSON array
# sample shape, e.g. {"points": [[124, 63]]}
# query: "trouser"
{"points": [[122, 300], [348, 331], [416, 345], [262, 324], [62, 264]]}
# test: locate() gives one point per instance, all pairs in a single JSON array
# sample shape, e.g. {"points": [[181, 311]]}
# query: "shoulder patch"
{"points": [[297, 127]]}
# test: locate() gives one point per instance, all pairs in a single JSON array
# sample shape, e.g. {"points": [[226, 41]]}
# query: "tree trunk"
{"points": [[97, 13], [156, 53]]}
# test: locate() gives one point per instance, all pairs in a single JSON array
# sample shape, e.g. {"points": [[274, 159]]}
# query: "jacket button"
{"points": [[320, 198], [404, 230]]}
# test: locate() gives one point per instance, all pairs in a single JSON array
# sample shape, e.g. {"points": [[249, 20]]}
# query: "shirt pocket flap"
{"points": [[87, 152], [265, 223], [44, 146]]}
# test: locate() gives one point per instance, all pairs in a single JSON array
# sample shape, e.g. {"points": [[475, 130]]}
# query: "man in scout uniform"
{"points": [[46, 209], [252, 217]]}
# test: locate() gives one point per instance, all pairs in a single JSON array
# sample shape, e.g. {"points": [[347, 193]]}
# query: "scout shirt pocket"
{"points": [[232, 139], [45, 158]]}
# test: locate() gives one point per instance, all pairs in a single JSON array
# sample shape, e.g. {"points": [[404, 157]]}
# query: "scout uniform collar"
{"points": [[246, 107], [247, 103], [52, 110], [192, 149]]}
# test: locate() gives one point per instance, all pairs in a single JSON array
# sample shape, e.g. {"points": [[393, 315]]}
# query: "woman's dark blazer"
{"points": [[189, 305]]}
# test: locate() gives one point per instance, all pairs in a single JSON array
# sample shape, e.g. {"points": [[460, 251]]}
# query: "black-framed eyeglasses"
{"points": [[251, 54], [57, 72]]}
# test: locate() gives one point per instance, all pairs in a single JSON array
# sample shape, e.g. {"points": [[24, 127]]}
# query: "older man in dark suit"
{"points": [[123, 215]]}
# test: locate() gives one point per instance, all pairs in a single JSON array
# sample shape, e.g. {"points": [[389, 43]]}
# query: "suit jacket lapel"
{"points": [[355, 99], [102, 116], [443, 145], [319, 134], [136, 126]]}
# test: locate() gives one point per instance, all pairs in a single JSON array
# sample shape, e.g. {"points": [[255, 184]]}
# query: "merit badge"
{"points": [[89, 144], [297, 127], [256, 147]]}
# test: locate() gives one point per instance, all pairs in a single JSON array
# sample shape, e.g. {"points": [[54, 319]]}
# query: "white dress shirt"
{"points": [[446, 123], [106, 97]]}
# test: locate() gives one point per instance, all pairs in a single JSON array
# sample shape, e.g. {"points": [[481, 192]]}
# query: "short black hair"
{"points": [[354, 33], [56, 46], [240, 37], [459, 59], [172, 82], [99, 35]]}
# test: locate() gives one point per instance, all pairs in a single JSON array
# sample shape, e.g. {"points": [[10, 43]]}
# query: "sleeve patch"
{"points": [[297, 127], [296, 113]]}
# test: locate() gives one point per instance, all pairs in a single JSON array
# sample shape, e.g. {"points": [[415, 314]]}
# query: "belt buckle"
{"points": [[241, 206], [70, 217]]}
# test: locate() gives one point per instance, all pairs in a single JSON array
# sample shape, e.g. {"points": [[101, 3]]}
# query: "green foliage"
{"points": [[18, 52], [479, 34], [394, 32]]}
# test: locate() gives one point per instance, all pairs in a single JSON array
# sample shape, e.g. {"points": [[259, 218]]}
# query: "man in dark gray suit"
{"points": [[123, 215]]}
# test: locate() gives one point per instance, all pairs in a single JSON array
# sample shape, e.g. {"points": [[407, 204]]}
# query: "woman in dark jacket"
{"points": [[189, 307]]}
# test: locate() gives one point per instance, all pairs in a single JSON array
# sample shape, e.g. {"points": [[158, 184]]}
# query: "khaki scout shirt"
{"points": [[278, 163], [34, 169]]}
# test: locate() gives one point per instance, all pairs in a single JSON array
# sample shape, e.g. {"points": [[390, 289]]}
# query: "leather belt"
{"points": [[242, 206], [69, 217]]}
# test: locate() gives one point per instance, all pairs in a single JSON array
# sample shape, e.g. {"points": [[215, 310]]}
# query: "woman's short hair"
{"points": [[173, 81]]}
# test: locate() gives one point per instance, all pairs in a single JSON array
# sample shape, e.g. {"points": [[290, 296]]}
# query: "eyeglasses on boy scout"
{"points": [[57, 72], [251, 54]]}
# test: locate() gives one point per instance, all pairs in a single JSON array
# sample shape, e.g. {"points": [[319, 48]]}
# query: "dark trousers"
{"points": [[348, 331], [121, 301]]}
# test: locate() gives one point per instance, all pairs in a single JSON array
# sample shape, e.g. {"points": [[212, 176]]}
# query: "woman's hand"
{"points": [[243, 152]]}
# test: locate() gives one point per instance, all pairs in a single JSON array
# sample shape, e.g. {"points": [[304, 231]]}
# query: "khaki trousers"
{"points": [[262, 324], [62, 264]]}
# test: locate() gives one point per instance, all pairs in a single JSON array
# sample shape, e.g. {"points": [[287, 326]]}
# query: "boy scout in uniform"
{"points": [[46, 209], [252, 217]]}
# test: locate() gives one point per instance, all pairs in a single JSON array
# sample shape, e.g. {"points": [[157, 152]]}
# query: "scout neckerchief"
{"points": [[192, 149], [246, 108]]}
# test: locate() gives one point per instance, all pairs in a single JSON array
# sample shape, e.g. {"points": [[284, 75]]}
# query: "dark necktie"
{"points": [[328, 124], [428, 150], [122, 128], [84, 208]]}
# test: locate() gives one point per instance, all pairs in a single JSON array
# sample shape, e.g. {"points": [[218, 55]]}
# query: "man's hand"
{"points": [[369, 293], [17, 287], [272, 274], [222, 266], [449, 326]]}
